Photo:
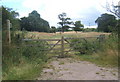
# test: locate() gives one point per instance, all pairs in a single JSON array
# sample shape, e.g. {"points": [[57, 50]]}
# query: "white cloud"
{"points": [[32, 4], [49, 9]]}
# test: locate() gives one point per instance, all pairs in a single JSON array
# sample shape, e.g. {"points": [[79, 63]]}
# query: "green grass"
{"points": [[61, 63], [23, 63], [105, 61], [26, 71], [106, 55], [20, 66]]}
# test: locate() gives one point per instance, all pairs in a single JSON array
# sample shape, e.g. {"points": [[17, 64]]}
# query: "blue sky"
{"points": [[87, 11]]}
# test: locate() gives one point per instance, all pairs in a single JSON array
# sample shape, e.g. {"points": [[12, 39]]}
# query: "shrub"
{"points": [[35, 49], [84, 46], [106, 52], [18, 55]]}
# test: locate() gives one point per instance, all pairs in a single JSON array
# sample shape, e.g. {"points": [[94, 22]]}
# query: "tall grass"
{"points": [[108, 54], [21, 62], [104, 53]]}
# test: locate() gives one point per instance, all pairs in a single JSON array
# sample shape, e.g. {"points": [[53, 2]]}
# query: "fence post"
{"points": [[101, 38], [8, 31], [62, 46]]}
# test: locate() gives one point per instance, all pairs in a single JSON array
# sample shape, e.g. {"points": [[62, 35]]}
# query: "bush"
{"points": [[19, 56], [89, 30], [35, 49], [84, 46], [106, 52]]}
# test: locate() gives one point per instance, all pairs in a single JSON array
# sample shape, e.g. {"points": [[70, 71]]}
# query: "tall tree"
{"points": [[34, 23], [106, 22], [65, 21], [78, 26], [115, 9], [9, 13]]}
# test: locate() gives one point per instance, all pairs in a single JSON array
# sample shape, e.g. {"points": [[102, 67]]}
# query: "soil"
{"points": [[71, 69]]}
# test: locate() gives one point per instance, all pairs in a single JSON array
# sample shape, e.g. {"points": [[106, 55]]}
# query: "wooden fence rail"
{"points": [[63, 41]]}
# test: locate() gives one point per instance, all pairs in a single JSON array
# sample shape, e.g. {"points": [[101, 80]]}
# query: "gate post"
{"points": [[8, 31], [62, 46], [101, 38]]}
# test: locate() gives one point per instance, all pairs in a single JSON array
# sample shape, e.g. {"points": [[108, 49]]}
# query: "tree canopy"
{"points": [[115, 9], [78, 26], [9, 13], [34, 23], [106, 22], [65, 21], [53, 29]]}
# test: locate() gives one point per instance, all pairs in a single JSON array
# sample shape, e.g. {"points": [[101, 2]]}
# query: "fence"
{"points": [[63, 41]]}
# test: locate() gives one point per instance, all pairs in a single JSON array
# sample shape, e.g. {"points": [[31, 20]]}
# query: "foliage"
{"points": [[116, 28], [106, 53], [17, 55], [20, 61], [53, 29], [105, 22], [34, 23], [65, 21], [89, 30], [9, 13], [84, 46], [59, 29], [78, 26], [114, 9]]}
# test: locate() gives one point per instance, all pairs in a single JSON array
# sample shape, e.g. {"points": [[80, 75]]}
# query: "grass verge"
{"points": [[106, 55]]}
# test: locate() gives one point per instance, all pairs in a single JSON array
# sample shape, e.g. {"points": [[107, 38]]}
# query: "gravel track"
{"points": [[71, 69]]}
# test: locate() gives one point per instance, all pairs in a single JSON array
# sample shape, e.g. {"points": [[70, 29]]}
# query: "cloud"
{"points": [[85, 10], [33, 4]]}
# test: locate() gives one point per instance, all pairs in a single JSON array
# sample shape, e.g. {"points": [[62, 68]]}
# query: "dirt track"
{"points": [[70, 69]]}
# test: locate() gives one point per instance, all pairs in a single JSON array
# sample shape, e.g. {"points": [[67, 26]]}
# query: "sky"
{"points": [[87, 11]]}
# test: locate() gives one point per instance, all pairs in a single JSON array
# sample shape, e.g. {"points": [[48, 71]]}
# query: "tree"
{"points": [[89, 30], [34, 23], [115, 9], [53, 29], [65, 21], [9, 13], [105, 22], [78, 26]]}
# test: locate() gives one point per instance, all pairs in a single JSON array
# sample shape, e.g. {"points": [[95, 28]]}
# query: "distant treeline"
{"points": [[106, 23]]}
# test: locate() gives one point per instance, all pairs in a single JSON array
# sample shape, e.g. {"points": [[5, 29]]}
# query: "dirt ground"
{"points": [[71, 69]]}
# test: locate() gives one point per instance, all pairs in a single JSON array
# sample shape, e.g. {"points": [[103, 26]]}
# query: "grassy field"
{"points": [[40, 35]]}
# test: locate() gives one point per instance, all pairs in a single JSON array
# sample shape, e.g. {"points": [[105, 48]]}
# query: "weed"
{"points": [[21, 62], [97, 73], [61, 63], [106, 55]]}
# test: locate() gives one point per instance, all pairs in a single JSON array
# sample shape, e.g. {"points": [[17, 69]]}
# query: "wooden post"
{"points": [[62, 46], [8, 32], [101, 38]]}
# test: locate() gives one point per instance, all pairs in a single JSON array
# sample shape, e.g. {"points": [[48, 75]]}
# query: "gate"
{"points": [[52, 43]]}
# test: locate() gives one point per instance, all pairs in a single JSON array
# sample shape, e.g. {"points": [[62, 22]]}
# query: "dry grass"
{"points": [[43, 35]]}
